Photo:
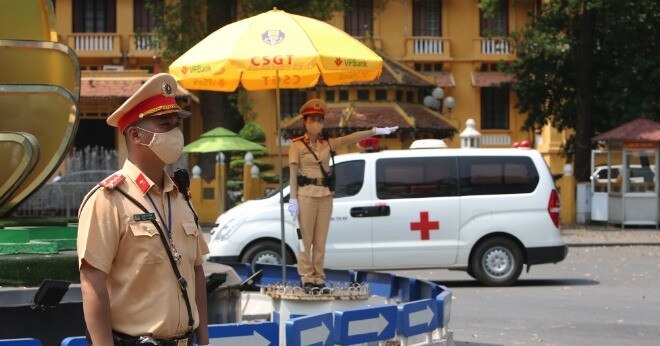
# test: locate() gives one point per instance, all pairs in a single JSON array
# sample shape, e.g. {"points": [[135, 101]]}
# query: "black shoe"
{"points": [[309, 287], [320, 286]]}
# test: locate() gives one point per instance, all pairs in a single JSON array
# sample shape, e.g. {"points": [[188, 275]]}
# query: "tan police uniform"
{"points": [[144, 295], [315, 202], [118, 238]]}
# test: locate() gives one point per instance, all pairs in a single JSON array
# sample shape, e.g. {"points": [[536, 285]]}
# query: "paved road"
{"points": [[597, 296]]}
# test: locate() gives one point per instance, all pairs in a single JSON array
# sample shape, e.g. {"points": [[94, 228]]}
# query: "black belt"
{"points": [[127, 340], [303, 180]]}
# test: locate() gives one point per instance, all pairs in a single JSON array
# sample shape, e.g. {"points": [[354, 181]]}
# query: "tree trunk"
{"points": [[584, 128]]}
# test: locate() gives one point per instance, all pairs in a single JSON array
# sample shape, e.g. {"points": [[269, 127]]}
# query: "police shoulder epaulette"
{"points": [[112, 181]]}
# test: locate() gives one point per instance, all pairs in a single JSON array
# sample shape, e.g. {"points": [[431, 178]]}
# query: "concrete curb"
{"points": [[612, 244]]}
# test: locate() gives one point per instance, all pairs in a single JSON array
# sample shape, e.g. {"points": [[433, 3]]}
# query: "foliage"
{"points": [[588, 66], [270, 178], [180, 25], [253, 132]]}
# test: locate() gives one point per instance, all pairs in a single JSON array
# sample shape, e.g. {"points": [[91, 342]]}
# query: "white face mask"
{"points": [[314, 128], [168, 146]]}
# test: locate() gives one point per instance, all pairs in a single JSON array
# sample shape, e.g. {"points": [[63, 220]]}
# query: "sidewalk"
{"points": [[608, 235]]}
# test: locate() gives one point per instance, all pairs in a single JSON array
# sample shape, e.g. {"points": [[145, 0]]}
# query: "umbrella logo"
{"points": [[338, 61], [272, 37], [184, 69]]}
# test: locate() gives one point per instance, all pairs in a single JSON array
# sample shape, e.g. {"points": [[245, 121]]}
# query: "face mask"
{"points": [[168, 146], [314, 128]]}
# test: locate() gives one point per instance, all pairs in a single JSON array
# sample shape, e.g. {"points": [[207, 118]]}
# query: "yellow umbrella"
{"points": [[257, 50], [275, 50]]}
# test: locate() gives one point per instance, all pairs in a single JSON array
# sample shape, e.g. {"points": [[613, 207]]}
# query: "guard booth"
{"points": [[624, 184]]}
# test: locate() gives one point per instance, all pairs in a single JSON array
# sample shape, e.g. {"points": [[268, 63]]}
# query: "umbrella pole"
{"points": [[279, 155]]}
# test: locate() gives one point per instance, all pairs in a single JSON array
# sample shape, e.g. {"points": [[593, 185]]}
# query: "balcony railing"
{"points": [[427, 47], [494, 48], [143, 45], [95, 44], [496, 139]]}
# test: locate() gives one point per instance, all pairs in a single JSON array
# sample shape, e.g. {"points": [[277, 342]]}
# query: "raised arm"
{"points": [[360, 135]]}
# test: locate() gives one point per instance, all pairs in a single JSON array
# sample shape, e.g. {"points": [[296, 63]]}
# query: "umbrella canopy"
{"points": [[221, 139], [273, 50]]}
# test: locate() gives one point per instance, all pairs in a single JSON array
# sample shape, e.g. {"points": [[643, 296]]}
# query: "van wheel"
{"points": [[497, 262], [267, 252]]}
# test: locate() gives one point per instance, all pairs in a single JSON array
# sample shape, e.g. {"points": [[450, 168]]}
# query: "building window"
{"points": [[343, 95], [400, 96], [495, 108], [290, 102], [94, 16], [410, 96], [143, 19], [381, 95], [330, 96], [498, 24], [427, 18], [363, 95], [358, 17]]}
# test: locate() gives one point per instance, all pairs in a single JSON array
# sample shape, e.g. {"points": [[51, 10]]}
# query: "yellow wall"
{"points": [[392, 27]]}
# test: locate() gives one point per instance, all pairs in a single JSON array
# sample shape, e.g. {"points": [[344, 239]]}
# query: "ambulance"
{"points": [[488, 212]]}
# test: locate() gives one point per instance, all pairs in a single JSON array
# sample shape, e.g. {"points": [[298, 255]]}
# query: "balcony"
{"points": [[493, 49], [495, 138], [143, 45], [427, 48], [96, 45]]}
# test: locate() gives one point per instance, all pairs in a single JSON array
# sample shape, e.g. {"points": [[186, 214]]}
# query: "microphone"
{"points": [[182, 180]]}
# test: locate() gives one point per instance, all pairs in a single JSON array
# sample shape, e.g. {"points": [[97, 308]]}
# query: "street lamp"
{"points": [[437, 100]]}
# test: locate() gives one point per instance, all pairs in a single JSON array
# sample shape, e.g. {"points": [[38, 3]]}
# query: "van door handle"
{"points": [[380, 210]]}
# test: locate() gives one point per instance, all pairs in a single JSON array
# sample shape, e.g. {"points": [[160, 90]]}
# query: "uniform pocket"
{"points": [[192, 232], [146, 243]]}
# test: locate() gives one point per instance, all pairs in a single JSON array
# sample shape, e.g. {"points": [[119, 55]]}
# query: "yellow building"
{"points": [[448, 42]]}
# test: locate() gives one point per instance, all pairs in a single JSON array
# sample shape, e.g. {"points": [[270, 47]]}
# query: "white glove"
{"points": [[384, 130], [293, 207]]}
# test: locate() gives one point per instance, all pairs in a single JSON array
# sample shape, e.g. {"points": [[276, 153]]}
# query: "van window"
{"points": [[350, 178], [489, 175], [416, 177]]}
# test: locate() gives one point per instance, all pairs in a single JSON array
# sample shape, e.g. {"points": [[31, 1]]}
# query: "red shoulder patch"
{"points": [[112, 181]]}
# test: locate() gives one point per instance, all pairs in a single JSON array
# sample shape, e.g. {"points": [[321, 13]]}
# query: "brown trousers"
{"points": [[314, 217]]}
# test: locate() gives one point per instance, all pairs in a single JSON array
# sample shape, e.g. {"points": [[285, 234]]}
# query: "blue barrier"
{"points": [[342, 327], [310, 330], [380, 284], [244, 270], [444, 306], [407, 289], [20, 342], [272, 274], [417, 317], [365, 325], [75, 341], [263, 333]]}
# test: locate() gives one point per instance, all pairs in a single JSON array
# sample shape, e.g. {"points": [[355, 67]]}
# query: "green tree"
{"points": [[183, 23], [588, 65]]}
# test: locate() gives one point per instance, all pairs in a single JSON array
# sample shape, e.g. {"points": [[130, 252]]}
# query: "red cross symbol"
{"points": [[424, 225]]}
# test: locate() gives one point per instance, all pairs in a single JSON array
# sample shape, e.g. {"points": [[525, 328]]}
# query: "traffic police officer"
{"points": [[140, 250], [311, 198]]}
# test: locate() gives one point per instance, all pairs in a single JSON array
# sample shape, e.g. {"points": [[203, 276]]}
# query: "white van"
{"points": [[485, 211]]}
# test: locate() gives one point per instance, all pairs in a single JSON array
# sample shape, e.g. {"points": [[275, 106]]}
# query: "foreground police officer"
{"points": [[140, 250], [310, 182]]}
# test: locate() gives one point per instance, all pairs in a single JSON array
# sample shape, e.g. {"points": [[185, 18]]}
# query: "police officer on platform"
{"points": [[311, 198], [140, 250]]}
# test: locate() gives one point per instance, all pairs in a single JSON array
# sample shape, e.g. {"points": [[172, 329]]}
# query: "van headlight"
{"points": [[228, 229]]}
